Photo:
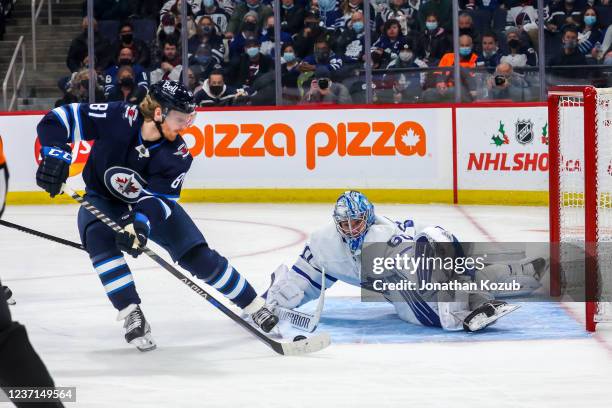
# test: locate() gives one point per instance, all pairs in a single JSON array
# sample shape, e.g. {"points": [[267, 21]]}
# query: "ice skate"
{"points": [[137, 329]]}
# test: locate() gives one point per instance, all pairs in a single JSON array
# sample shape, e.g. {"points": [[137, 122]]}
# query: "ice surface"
{"points": [[205, 360]]}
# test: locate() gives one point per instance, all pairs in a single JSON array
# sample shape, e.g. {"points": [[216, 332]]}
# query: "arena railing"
{"points": [[17, 79], [35, 13]]}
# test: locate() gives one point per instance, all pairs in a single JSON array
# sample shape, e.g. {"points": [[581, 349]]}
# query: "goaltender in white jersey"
{"points": [[336, 249]]}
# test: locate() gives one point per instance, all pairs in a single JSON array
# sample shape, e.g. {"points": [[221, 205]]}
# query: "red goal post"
{"points": [[580, 192]]}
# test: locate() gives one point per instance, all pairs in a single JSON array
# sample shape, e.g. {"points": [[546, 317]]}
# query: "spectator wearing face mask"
{"points": [[350, 43], [466, 27], [441, 8], [329, 12], [467, 60], [322, 57], [126, 89], [206, 35], [517, 54], [267, 37], [569, 56], [590, 35], [289, 74], [323, 90], [489, 56], [248, 29], [220, 17], [205, 61], [141, 51], [507, 84], [403, 86], [433, 42], [215, 92], [251, 65], [263, 12], [350, 7], [76, 89], [125, 58], [168, 31], [305, 39], [292, 16], [404, 11]]}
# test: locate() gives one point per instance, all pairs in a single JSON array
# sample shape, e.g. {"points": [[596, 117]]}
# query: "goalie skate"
{"points": [[487, 314], [137, 329]]}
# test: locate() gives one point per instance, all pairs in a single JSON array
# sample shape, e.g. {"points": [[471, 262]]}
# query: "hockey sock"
{"points": [[110, 266], [215, 270]]}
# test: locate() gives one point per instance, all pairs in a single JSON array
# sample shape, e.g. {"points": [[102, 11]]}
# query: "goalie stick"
{"points": [[300, 320], [309, 345]]}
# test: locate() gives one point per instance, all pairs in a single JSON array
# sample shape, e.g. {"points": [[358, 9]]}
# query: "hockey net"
{"points": [[580, 147]]}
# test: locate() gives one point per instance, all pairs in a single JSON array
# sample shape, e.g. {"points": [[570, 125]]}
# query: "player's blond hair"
{"points": [[147, 107]]}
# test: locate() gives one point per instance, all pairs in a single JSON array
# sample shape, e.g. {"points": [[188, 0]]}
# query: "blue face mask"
{"points": [[287, 6], [208, 3], [252, 51], [590, 20], [358, 26], [327, 5], [289, 57], [465, 51], [431, 25]]}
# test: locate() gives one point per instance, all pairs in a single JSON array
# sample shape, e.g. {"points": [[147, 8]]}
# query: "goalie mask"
{"points": [[353, 215]]}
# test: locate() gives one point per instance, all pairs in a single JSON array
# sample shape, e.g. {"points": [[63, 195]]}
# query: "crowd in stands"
{"points": [[230, 49]]}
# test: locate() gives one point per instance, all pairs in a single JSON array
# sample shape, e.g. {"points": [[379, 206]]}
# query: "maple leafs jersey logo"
{"points": [[131, 113], [124, 183]]}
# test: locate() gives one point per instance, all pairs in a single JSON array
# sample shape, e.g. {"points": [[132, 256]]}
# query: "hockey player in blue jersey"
{"points": [[134, 174], [336, 248]]}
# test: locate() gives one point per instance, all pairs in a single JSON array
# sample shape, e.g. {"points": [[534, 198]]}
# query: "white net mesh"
{"points": [[572, 192]]}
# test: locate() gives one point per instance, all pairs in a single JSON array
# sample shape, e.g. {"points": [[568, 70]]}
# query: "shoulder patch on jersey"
{"points": [[131, 113], [124, 183], [182, 151]]}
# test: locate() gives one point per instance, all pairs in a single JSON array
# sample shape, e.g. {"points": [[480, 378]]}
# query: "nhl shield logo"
{"points": [[524, 131]]}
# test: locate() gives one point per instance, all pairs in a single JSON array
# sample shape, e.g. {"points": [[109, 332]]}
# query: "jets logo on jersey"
{"points": [[124, 183], [131, 113], [182, 151]]}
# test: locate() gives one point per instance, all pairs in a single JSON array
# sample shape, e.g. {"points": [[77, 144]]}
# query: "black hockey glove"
{"points": [[133, 238], [53, 169]]}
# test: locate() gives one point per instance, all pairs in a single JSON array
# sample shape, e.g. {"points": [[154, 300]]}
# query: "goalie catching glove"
{"points": [[136, 229]]}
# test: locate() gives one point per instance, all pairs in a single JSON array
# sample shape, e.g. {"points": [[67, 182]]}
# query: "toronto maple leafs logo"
{"points": [[131, 113], [124, 183]]}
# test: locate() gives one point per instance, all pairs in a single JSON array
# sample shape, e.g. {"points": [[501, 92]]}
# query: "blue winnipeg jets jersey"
{"points": [[121, 166]]}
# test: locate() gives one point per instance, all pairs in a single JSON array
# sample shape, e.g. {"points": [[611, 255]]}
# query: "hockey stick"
{"points": [[300, 320], [41, 234], [309, 345]]}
